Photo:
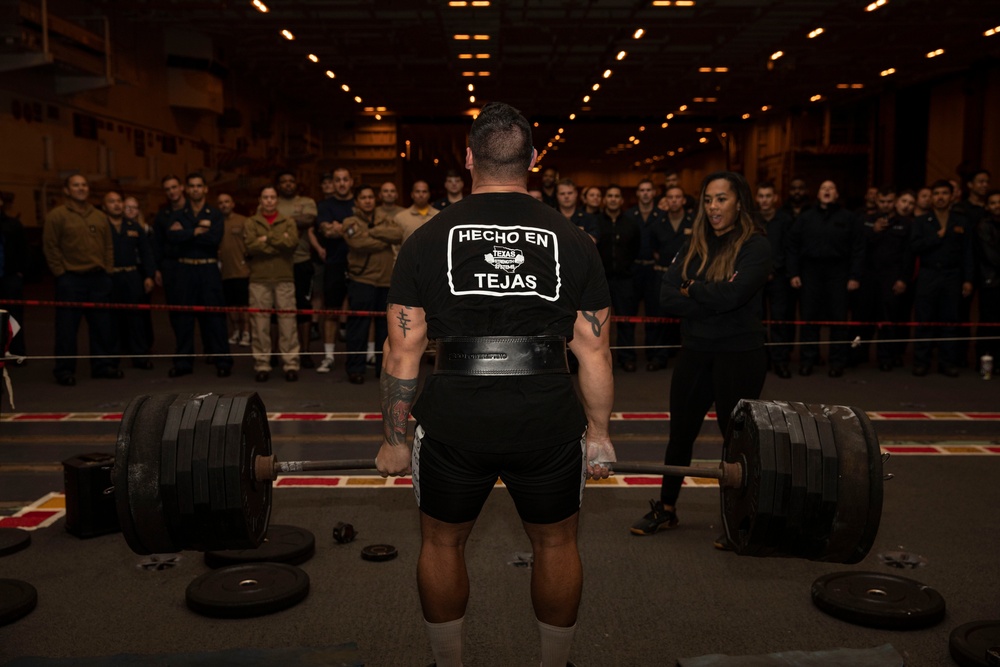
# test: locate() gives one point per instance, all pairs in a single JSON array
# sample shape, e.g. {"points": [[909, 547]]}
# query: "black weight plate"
{"points": [[379, 552], [746, 511], [168, 469], [242, 591], [148, 511], [796, 539], [282, 544], [782, 519], [217, 470], [185, 472], [248, 501], [119, 473], [13, 540], [854, 488], [875, 481], [969, 643], [205, 523], [831, 474], [814, 531], [878, 600], [17, 599]]}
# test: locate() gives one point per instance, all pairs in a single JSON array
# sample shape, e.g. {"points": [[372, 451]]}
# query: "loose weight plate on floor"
{"points": [[13, 540], [379, 552], [17, 599], [242, 591], [878, 600], [969, 644], [282, 544]]}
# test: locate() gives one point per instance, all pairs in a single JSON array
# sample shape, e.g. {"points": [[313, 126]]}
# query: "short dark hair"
{"points": [[326, 176], [645, 180], [500, 141], [766, 185], [451, 173], [268, 186], [566, 181], [169, 177], [195, 174], [612, 186], [992, 193], [361, 188], [886, 190], [907, 191], [942, 183], [972, 174], [72, 174], [285, 172], [670, 172]]}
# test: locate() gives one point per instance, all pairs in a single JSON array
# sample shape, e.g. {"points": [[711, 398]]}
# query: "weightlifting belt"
{"points": [[501, 355]]}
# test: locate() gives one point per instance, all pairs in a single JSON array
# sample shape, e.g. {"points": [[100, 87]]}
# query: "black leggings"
{"points": [[700, 379]]}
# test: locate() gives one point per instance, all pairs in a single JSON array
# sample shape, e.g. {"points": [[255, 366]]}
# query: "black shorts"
{"points": [[452, 484], [303, 273], [236, 291], [334, 286]]}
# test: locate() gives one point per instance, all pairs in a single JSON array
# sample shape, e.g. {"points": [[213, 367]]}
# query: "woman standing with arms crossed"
{"points": [[715, 286]]}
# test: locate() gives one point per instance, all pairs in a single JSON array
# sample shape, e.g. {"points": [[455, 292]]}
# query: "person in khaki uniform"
{"points": [[235, 272], [303, 210], [420, 211], [79, 251], [370, 259], [271, 239]]}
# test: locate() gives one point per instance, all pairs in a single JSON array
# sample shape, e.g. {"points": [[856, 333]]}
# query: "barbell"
{"points": [[796, 480]]}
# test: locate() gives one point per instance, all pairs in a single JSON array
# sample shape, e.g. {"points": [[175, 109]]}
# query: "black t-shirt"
{"points": [[332, 209], [492, 265]]}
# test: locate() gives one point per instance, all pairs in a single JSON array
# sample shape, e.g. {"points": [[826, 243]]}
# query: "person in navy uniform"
{"points": [[778, 294], [942, 242], [668, 238], [502, 272], [195, 231], [645, 279]]}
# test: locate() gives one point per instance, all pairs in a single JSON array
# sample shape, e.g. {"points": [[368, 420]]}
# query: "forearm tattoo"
{"points": [[403, 320], [596, 325], [397, 398]]}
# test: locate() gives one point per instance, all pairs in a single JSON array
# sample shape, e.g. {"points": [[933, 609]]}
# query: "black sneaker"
{"points": [[655, 520], [722, 543]]}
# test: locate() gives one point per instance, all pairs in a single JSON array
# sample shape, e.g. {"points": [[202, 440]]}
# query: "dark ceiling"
{"points": [[544, 56]]}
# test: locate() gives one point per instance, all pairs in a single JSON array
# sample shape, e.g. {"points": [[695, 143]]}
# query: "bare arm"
{"points": [[591, 346], [398, 384]]}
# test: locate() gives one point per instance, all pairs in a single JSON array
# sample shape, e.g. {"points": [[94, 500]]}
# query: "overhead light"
{"points": [[638, 34], [680, 149], [711, 100], [698, 99], [261, 7], [988, 33], [378, 116], [635, 141], [461, 37], [369, 109], [815, 98], [777, 54], [746, 116], [632, 138], [621, 55], [313, 57], [379, 108], [887, 72], [607, 74], [704, 70], [555, 138], [935, 53], [482, 56], [483, 73], [458, 3], [670, 116], [465, 56], [682, 107], [765, 108], [875, 5], [561, 130], [703, 140], [472, 99], [481, 38], [586, 98], [642, 128], [330, 74], [468, 74], [673, 3], [671, 153], [344, 87], [287, 34], [816, 33], [480, 3], [471, 87], [596, 87], [572, 116], [843, 86], [357, 99], [664, 125]]}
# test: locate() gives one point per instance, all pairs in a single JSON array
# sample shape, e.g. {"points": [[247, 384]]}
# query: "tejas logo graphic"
{"points": [[505, 259]]}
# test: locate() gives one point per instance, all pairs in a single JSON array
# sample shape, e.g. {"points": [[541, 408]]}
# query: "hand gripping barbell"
{"points": [[796, 480]]}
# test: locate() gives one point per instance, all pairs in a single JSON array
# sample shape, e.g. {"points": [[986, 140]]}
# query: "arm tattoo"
{"points": [[403, 319], [397, 398], [596, 325]]}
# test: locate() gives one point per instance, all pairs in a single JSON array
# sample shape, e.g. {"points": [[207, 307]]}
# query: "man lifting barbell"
{"points": [[502, 283]]}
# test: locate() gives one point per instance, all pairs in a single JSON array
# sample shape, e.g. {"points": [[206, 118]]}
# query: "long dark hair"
{"points": [[722, 264]]}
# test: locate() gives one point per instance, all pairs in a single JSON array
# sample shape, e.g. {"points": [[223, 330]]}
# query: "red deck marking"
{"points": [[41, 416], [372, 415], [904, 415], [403, 481], [309, 481], [300, 416], [897, 449], [995, 450], [642, 481], [27, 520], [645, 415], [711, 415], [112, 417], [983, 415]]}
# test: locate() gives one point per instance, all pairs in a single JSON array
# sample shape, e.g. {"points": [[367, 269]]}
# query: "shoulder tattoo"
{"points": [[596, 324]]}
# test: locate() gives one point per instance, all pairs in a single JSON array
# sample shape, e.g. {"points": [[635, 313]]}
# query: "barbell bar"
{"points": [[796, 480]]}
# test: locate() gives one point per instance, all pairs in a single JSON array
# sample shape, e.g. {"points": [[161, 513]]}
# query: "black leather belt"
{"points": [[501, 355]]}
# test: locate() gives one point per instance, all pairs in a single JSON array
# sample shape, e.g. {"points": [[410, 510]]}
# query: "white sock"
{"points": [[556, 642], [446, 642], [328, 350]]}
